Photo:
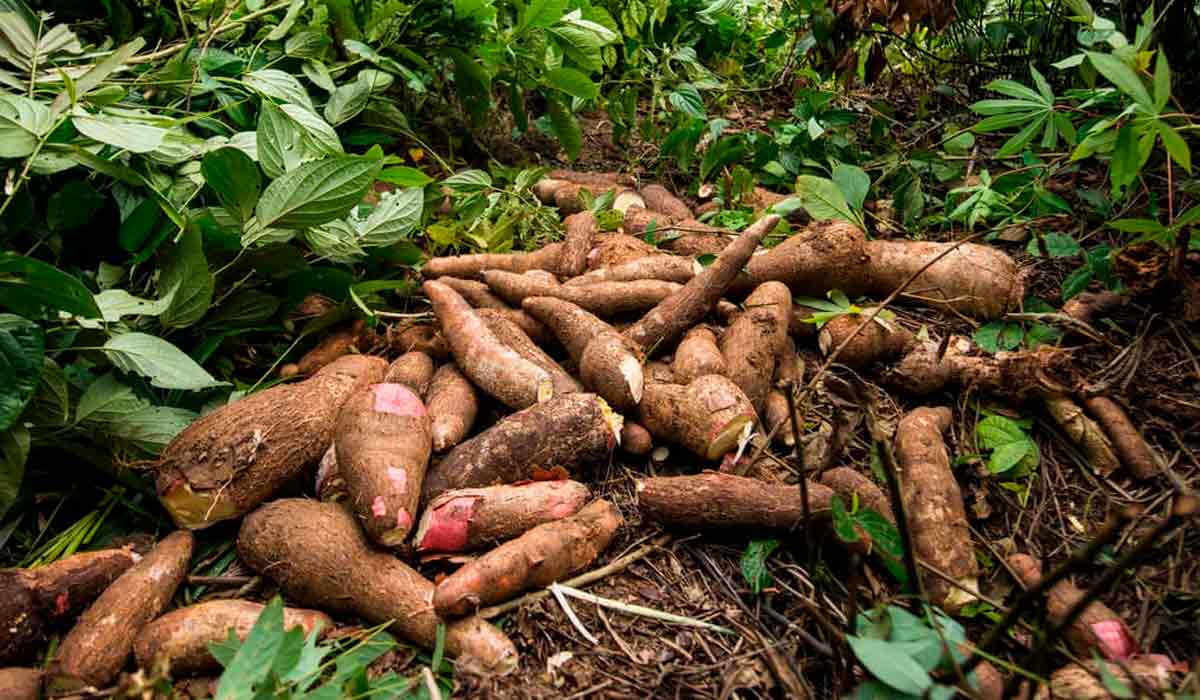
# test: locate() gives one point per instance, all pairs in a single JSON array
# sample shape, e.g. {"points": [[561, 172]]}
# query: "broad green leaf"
{"points": [[244, 309], [315, 193], [347, 101], [21, 346], [1176, 147], [724, 152], [998, 335], [1009, 443], [1042, 86], [107, 399], [394, 219], [74, 206], [541, 13], [823, 200], [404, 176], [165, 365], [14, 451], [566, 128], [255, 657], [23, 122], [150, 428], [686, 98], [1058, 245], [121, 133], [473, 84], [1016, 90], [336, 241], [1123, 77], [289, 19], [573, 82], [29, 286], [116, 304], [715, 9], [279, 85], [468, 181], [1076, 282], [853, 182], [890, 665], [1018, 142], [1137, 226], [97, 74], [754, 564], [1162, 82], [186, 282], [235, 178]]}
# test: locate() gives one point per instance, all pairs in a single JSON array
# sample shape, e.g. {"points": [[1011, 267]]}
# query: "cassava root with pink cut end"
{"points": [[567, 432], [231, 460], [97, 647], [1127, 440], [35, 602], [934, 505], [482, 357], [467, 519], [754, 340], [383, 445], [452, 404], [708, 416], [543, 555], [319, 557], [412, 369]]}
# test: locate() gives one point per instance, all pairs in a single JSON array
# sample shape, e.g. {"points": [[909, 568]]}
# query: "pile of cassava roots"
{"points": [[470, 433]]}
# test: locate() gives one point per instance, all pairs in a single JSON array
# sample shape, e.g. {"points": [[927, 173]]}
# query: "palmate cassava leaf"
{"points": [[316, 193]]}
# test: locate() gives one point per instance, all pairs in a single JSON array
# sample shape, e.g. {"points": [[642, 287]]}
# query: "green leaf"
{"points": [[1123, 169], [725, 151], [541, 13], [315, 193], [573, 82], [289, 135], [150, 428], [28, 286], [23, 122], [1115, 686], [244, 309], [97, 74], [468, 181], [566, 128], [235, 178], [754, 564], [843, 522], [116, 304], [14, 451], [473, 85], [394, 219], [107, 400], [823, 200], [853, 182], [1076, 282], [73, 206], [186, 282], [1162, 81], [254, 658], [404, 176], [686, 98], [125, 134], [165, 365], [347, 101], [1009, 443], [1138, 226], [280, 85], [1123, 77], [1021, 139], [1176, 147], [998, 335], [21, 346], [1058, 245], [890, 665]]}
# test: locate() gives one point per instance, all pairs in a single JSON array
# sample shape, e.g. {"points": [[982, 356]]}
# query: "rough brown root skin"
{"points": [[1084, 432], [452, 404], [778, 418], [659, 373], [1088, 306], [697, 355], [1098, 628], [789, 367], [599, 179], [716, 501], [383, 444], [754, 340], [181, 638], [1075, 682], [517, 341], [20, 683], [666, 268], [472, 266], [95, 650], [569, 199], [329, 484], [545, 554], [609, 364], [667, 321], [580, 228], [567, 432], [1016, 374], [35, 602], [976, 280], [635, 439], [611, 249], [880, 339], [412, 369], [824, 256], [466, 519], [638, 219], [476, 293], [850, 483], [660, 199], [418, 337], [1127, 440], [934, 505], [319, 556], [231, 460], [603, 298], [488, 362], [707, 416], [697, 244], [331, 347]]}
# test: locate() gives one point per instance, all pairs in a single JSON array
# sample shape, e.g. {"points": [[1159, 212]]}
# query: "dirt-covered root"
{"points": [[666, 268], [1087, 435], [581, 229], [1090, 306], [329, 484], [482, 357], [547, 553], [611, 249], [934, 505], [777, 418], [574, 197], [182, 637], [418, 337], [697, 355], [479, 296], [467, 519], [96, 648], [36, 602], [849, 483], [635, 439], [658, 372], [472, 266], [231, 460], [667, 321], [708, 416], [601, 298], [565, 433], [823, 256], [412, 369], [752, 343], [718, 501], [1127, 440], [319, 557], [660, 199], [923, 371], [453, 404], [18, 683], [341, 342], [976, 280], [879, 340], [594, 178], [383, 445], [517, 341], [609, 363], [1086, 682], [1097, 629], [789, 366]]}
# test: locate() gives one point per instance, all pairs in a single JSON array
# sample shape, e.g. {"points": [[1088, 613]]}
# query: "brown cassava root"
{"points": [[707, 416], [466, 519]]}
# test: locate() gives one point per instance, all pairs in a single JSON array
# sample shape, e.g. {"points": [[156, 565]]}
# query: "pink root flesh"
{"points": [[446, 526], [403, 519], [1115, 640], [398, 400], [398, 477], [378, 507]]}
